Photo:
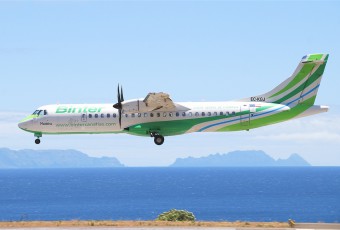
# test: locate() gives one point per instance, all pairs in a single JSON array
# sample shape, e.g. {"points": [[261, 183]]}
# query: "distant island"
{"points": [[250, 158], [28, 158]]}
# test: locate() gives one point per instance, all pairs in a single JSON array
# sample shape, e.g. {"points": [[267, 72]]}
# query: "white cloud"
{"points": [[302, 137], [9, 123], [11, 116], [315, 129]]}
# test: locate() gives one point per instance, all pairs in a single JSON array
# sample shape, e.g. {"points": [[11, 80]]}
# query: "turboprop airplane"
{"points": [[158, 116]]}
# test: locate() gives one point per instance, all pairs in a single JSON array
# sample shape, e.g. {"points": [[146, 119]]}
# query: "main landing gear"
{"points": [[37, 135], [157, 138]]}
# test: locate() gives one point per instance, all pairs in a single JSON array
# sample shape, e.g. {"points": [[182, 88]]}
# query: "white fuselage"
{"points": [[103, 118]]}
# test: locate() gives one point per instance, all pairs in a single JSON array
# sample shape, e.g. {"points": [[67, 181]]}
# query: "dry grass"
{"points": [[103, 223]]}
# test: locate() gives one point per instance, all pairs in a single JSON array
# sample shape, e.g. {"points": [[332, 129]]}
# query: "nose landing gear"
{"points": [[37, 135]]}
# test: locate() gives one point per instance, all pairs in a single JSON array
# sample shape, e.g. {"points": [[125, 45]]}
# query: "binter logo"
{"points": [[70, 109]]}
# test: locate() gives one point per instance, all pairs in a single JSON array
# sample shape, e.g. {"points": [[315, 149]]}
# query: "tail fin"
{"points": [[301, 87]]}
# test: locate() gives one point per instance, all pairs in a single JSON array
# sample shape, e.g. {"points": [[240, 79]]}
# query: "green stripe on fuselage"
{"points": [[170, 128], [271, 119], [176, 127]]}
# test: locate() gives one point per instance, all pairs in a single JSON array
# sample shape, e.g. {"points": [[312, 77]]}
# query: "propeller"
{"points": [[119, 105]]}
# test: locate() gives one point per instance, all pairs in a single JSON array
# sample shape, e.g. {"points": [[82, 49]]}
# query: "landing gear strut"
{"points": [[37, 135], [157, 138]]}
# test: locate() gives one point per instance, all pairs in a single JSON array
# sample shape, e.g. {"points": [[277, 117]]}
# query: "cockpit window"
{"points": [[40, 112]]}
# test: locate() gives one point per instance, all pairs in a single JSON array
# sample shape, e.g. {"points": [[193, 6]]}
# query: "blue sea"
{"points": [[306, 194]]}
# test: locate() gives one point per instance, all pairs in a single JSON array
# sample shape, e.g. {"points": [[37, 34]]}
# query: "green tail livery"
{"points": [[158, 116]]}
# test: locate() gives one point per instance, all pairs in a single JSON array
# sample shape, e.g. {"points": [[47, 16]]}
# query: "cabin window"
{"points": [[209, 114], [227, 113], [221, 113], [126, 115], [177, 114], [90, 115], [233, 113], [96, 115], [102, 115], [158, 114], [190, 114], [145, 115], [215, 113], [170, 114], [108, 115], [83, 116], [184, 114], [139, 114], [151, 114], [197, 114], [133, 115], [203, 114], [45, 112], [114, 115], [164, 114]]}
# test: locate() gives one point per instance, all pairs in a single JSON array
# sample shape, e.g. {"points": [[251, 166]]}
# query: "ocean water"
{"points": [[307, 194]]}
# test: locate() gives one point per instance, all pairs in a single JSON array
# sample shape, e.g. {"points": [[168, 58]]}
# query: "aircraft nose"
{"points": [[25, 123], [22, 125]]}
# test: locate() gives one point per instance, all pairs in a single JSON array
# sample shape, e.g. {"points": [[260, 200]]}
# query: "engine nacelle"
{"points": [[135, 106]]}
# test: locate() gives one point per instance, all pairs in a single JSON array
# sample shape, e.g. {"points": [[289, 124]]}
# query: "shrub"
{"points": [[176, 215]]}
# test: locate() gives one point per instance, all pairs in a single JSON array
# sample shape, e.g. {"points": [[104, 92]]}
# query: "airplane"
{"points": [[157, 116]]}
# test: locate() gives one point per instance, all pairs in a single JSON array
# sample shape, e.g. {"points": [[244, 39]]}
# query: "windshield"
{"points": [[40, 112], [36, 112]]}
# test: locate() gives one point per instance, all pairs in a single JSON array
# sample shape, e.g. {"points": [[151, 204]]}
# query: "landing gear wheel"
{"points": [[158, 139], [37, 141]]}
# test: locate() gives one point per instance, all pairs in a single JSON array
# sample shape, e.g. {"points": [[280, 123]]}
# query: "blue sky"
{"points": [[77, 52]]}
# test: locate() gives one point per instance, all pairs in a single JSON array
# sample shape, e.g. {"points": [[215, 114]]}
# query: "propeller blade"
{"points": [[120, 118], [118, 94], [118, 105], [121, 95]]}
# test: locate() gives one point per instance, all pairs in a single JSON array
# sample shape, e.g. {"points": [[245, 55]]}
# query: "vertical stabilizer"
{"points": [[301, 87]]}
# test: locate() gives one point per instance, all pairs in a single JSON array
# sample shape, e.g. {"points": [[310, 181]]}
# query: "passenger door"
{"points": [[245, 115]]}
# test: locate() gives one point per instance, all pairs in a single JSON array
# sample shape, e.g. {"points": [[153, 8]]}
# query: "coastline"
{"points": [[111, 223]]}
